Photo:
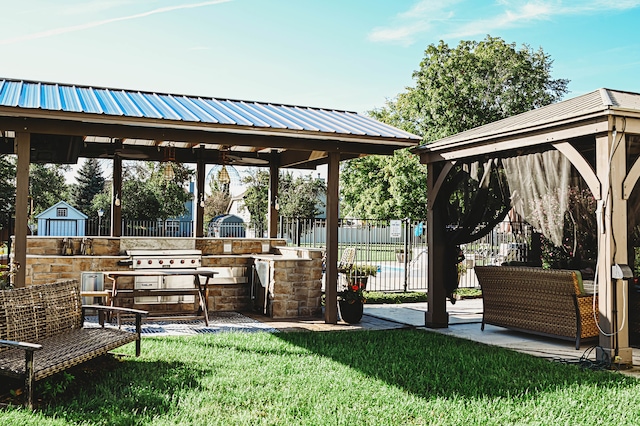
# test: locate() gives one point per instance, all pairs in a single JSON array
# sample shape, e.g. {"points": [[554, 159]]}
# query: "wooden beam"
{"points": [[116, 200], [631, 180], [331, 276], [198, 202], [436, 316], [274, 179], [22, 150], [194, 132], [612, 249], [435, 190], [498, 144], [582, 166]]}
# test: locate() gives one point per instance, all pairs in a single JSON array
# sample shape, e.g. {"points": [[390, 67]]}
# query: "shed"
{"points": [[62, 220]]}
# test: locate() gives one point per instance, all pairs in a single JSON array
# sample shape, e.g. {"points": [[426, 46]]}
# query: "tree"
{"points": [[378, 187], [47, 186], [297, 197], [90, 182], [7, 188], [217, 203], [148, 195], [301, 196], [456, 89], [474, 84], [256, 197]]}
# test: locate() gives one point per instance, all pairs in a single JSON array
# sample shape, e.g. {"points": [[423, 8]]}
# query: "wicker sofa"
{"points": [[534, 300], [41, 332]]}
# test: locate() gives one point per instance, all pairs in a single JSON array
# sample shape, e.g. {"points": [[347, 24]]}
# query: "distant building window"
{"points": [[61, 212]]}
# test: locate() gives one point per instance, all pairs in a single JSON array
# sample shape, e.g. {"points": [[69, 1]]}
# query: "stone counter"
{"points": [[295, 279]]}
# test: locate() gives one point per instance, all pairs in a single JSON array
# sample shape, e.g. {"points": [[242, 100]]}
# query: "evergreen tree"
{"points": [[90, 182]]}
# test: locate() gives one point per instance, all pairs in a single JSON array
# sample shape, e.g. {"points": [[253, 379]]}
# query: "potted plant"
{"points": [[359, 274], [351, 302], [351, 298]]}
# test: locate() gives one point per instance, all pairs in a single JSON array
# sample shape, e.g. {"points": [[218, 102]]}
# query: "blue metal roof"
{"points": [[216, 112]]}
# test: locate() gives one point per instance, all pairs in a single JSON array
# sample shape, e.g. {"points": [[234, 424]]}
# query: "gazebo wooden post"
{"points": [[612, 294], [436, 316], [116, 200], [274, 178], [23, 151], [331, 275], [199, 201]]}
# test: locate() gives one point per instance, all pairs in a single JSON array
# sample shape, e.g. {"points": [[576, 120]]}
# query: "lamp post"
{"points": [[100, 213]]}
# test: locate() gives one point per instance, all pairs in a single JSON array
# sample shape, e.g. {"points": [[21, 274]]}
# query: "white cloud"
{"points": [[525, 13], [442, 19], [88, 25], [419, 19]]}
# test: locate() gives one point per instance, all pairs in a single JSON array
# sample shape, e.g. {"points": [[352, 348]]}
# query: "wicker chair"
{"points": [[41, 332], [534, 300]]}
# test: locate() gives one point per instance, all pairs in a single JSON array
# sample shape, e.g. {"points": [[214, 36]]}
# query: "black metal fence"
{"points": [[396, 248]]}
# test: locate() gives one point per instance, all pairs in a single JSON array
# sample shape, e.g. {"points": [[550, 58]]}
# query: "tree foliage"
{"points": [[378, 187], [47, 186], [90, 182], [147, 195], [297, 196], [301, 196], [474, 84], [217, 203], [256, 197], [456, 89]]}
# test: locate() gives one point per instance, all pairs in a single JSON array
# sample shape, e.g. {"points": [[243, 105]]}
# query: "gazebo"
{"points": [[599, 134], [58, 123]]}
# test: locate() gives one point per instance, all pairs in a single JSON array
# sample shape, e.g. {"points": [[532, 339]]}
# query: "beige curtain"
{"points": [[539, 185]]}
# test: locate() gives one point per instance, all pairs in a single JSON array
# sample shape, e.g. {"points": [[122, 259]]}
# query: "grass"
{"points": [[393, 377]]}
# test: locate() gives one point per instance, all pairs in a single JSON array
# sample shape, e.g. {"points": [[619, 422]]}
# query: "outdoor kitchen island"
{"points": [[291, 287]]}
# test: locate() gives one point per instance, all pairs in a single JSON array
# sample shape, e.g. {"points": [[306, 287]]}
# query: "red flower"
{"points": [[355, 287]]}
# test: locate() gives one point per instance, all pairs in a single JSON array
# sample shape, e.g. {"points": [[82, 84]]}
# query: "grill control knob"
{"points": [[171, 261], [181, 260], [193, 261], [161, 261], [139, 262], [150, 261]]}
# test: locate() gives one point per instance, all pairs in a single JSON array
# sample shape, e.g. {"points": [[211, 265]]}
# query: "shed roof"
{"points": [[51, 212], [189, 121]]}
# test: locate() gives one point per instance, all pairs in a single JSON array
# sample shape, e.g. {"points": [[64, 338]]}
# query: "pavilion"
{"points": [[45, 122], [599, 134]]}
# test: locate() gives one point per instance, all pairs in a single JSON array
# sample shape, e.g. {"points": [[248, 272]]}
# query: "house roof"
{"points": [[585, 114], [141, 120]]}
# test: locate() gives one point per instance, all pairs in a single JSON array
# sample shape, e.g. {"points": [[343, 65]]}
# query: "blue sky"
{"points": [[344, 54]]}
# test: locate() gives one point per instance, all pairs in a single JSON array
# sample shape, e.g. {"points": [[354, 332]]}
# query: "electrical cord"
{"points": [[586, 363]]}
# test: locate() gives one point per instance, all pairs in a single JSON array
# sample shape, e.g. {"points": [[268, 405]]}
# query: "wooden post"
{"points": [[612, 236], [436, 316], [116, 201], [274, 178], [199, 200], [23, 151], [331, 276]]}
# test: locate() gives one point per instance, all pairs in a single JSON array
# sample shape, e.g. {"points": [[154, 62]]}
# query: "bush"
{"points": [[377, 297]]}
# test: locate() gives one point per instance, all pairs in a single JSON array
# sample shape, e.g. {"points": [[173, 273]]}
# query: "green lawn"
{"points": [[394, 377]]}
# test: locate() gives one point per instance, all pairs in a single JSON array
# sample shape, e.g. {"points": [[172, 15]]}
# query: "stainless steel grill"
{"points": [[164, 259]]}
